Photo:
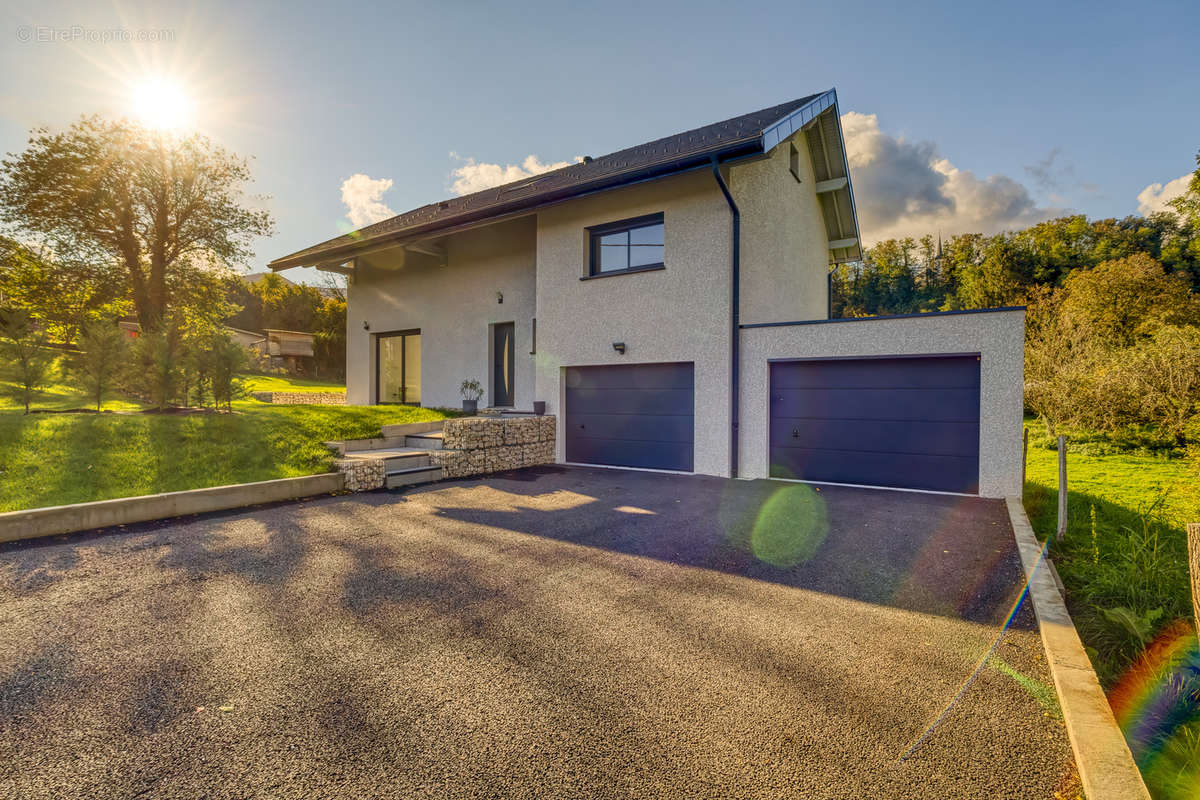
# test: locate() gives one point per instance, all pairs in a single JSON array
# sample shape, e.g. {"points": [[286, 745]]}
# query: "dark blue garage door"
{"points": [[905, 422], [630, 415]]}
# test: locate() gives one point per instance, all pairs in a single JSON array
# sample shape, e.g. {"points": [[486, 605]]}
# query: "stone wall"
{"points": [[361, 474], [302, 398], [477, 445]]}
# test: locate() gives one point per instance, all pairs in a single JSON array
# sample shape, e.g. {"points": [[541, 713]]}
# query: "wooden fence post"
{"points": [[1062, 488], [1193, 538]]}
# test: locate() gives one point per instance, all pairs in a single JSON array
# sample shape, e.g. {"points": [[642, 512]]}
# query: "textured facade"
{"points": [[997, 336]]}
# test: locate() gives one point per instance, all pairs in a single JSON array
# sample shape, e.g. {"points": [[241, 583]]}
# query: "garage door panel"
{"points": [[622, 453], [630, 376], [929, 405], [631, 401], [937, 473], [866, 373], [631, 415], [660, 428], [942, 438], [905, 422]]}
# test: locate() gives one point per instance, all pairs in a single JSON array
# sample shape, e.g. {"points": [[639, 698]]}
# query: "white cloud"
{"points": [[1155, 196], [363, 197], [473, 176], [906, 188]]}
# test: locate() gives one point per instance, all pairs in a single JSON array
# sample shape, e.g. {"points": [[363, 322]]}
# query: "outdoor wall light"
{"points": [[366, 325], [499, 297], [619, 347]]}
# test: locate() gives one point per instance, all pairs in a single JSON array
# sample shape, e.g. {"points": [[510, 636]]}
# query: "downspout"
{"points": [[734, 320]]}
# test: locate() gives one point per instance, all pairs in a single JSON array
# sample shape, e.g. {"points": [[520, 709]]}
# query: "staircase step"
{"points": [[412, 475], [425, 441], [395, 458]]}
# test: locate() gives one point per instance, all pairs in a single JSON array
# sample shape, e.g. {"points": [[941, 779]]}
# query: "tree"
{"points": [[103, 354], [1121, 301], [155, 366], [151, 206], [227, 358], [25, 361], [58, 295]]}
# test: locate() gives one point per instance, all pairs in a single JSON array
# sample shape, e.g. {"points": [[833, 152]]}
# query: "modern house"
{"points": [[670, 304], [288, 348]]}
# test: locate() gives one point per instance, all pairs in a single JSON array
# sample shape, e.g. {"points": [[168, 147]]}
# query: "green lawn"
{"points": [[287, 383], [1124, 563], [53, 459], [1132, 554]]}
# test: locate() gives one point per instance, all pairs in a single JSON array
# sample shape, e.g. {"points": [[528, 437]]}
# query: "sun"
{"points": [[162, 104]]}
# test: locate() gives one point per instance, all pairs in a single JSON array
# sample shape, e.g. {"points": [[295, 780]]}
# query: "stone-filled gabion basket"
{"points": [[362, 474], [477, 445]]}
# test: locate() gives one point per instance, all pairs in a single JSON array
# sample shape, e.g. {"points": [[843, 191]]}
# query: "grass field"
{"points": [[53, 459], [1124, 563]]}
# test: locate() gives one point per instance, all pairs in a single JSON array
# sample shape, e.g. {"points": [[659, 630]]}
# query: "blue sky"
{"points": [[962, 116]]}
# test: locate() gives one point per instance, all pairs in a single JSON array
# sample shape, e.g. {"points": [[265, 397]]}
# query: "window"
{"points": [[632, 245], [398, 368], [794, 164]]}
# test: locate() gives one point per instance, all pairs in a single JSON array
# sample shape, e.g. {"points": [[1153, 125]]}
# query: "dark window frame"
{"points": [[595, 233], [379, 337]]}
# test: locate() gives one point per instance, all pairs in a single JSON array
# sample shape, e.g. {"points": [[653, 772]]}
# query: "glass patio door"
{"points": [[398, 369]]}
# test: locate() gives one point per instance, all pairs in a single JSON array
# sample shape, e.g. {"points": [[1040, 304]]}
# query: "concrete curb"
{"points": [[1106, 766], [54, 520]]}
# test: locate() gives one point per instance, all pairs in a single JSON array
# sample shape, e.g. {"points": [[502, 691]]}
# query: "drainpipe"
{"points": [[734, 320]]}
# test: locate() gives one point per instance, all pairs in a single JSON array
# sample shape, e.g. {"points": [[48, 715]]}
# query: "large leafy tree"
{"points": [[154, 207]]}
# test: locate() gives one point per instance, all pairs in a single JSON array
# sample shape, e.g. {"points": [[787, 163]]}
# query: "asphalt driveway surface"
{"points": [[553, 632]]}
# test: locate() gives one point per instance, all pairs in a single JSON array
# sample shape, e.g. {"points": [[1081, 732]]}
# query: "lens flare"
{"points": [[1159, 694]]}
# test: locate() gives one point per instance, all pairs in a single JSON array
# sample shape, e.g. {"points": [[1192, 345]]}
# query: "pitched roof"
{"points": [[744, 134]]}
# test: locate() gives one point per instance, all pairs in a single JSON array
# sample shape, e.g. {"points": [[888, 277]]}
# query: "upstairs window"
{"points": [[631, 245]]}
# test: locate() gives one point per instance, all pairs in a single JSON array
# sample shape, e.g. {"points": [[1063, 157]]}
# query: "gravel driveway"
{"points": [[553, 632]]}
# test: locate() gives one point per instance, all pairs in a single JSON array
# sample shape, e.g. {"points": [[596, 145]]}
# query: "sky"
{"points": [[958, 116]]}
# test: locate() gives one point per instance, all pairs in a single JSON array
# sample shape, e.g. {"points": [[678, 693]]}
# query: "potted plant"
{"points": [[471, 391]]}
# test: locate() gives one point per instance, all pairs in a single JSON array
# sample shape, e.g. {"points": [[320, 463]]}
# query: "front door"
{"points": [[503, 356], [398, 368]]}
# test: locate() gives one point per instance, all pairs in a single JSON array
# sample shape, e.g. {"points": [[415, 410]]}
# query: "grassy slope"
{"points": [[287, 383], [52, 459]]}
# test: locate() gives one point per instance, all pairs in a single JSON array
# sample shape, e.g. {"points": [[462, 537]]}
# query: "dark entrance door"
{"points": [[503, 357], [907, 422], [631, 415]]}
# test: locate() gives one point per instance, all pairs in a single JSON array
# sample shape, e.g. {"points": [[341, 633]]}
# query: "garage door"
{"points": [[903, 422], [630, 415]]}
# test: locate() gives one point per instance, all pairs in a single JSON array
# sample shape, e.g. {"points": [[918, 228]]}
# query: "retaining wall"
{"points": [[478, 445], [302, 398]]}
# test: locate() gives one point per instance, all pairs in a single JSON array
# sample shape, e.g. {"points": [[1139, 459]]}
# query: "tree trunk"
{"points": [[1193, 538]]}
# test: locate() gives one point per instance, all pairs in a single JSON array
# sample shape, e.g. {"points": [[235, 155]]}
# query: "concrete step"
{"points": [[410, 428], [396, 458], [412, 475], [425, 441]]}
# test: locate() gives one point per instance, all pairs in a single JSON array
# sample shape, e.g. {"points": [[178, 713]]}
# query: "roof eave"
{"points": [[345, 252]]}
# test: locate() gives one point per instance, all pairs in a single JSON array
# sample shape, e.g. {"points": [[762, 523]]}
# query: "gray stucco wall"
{"points": [[785, 249], [680, 313], [999, 338], [453, 305]]}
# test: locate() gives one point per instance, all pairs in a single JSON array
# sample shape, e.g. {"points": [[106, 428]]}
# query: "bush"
{"points": [[227, 358]]}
